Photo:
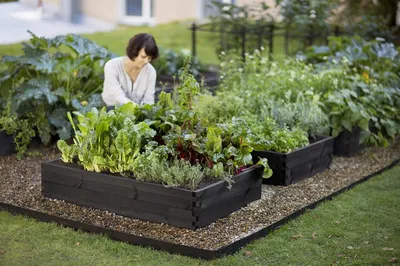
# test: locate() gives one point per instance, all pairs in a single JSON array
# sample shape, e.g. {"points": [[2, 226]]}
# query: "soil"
{"points": [[21, 186]]}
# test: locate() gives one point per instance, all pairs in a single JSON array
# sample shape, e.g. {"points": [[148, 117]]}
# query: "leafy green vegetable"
{"points": [[166, 142], [52, 76]]}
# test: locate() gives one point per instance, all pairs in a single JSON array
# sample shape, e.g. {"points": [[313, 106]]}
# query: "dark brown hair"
{"points": [[139, 41]]}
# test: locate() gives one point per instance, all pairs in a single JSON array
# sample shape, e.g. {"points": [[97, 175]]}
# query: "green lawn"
{"points": [[359, 227]]}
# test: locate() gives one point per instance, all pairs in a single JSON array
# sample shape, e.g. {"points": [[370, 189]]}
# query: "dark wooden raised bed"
{"points": [[292, 167], [7, 145], [348, 144], [150, 201]]}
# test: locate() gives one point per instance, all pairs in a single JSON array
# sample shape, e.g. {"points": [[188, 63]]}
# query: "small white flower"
{"points": [[262, 48], [335, 82], [325, 57], [312, 11], [240, 69], [185, 52], [379, 39], [334, 61], [312, 16]]}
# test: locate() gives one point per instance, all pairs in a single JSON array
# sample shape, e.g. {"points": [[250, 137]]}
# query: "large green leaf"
{"points": [[84, 46], [122, 142], [58, 118], [36, 89]]}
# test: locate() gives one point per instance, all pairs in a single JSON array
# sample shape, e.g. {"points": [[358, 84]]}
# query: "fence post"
{"points": [[311, 34], [337, 30], [286, 40], [260, 37], [193, 28], [243, 32], [271, 38]]}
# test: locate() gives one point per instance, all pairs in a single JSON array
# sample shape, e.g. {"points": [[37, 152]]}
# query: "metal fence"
{"points": [[263, 36]]}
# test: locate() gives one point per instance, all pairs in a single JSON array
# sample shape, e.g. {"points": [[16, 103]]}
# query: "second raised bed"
{"points": [[347, 143], [292, 167]]}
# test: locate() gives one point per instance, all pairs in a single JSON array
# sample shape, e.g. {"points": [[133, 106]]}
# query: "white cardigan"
{"points": [[119, 87]]}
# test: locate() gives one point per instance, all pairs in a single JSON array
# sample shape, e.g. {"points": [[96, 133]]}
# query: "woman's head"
{"points": [[142, 41]]}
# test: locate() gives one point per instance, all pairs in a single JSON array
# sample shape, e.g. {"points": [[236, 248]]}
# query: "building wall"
{"points": [[53, 2], [274, 11], [29, 2], [34, 3], [110, 10], [167, 11], [107, 10]]}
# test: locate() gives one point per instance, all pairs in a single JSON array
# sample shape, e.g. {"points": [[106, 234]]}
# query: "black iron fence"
{"points": [[250, 37]]}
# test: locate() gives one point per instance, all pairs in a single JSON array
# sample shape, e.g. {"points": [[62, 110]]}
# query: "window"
{"points": [[136, 12], [134, 8]]}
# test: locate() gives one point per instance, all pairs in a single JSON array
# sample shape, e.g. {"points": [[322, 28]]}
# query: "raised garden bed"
{"points": [[292, 167], [150, 201], [348, 144], [7, 145]]}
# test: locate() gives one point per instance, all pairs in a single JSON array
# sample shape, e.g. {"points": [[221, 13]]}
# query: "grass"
{"points": [[174, 35], [359, 227]]}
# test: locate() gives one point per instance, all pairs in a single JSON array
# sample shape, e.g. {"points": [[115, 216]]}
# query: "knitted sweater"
{"points": [[119, 87]]}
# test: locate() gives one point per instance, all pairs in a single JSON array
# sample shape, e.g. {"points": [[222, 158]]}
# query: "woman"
{"points": [[132, 78]]}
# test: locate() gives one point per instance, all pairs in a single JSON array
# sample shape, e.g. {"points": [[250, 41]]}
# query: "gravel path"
{"points": [[21, 186]]}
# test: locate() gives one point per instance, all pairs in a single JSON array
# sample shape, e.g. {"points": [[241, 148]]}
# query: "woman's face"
{"points": [[142, 59]]}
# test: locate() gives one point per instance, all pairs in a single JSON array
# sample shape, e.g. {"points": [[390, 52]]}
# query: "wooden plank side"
{"points": [[310, 153], [275, 160], [123, 206], [309, 169], [298, 173], [58, 169], [227, 206], [243, 179], [236, 189], [56, 178], [278, 178], [121, 191], [284, 161]]}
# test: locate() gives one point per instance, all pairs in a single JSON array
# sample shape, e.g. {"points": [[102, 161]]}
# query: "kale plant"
{"points": [[53, 76]]}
